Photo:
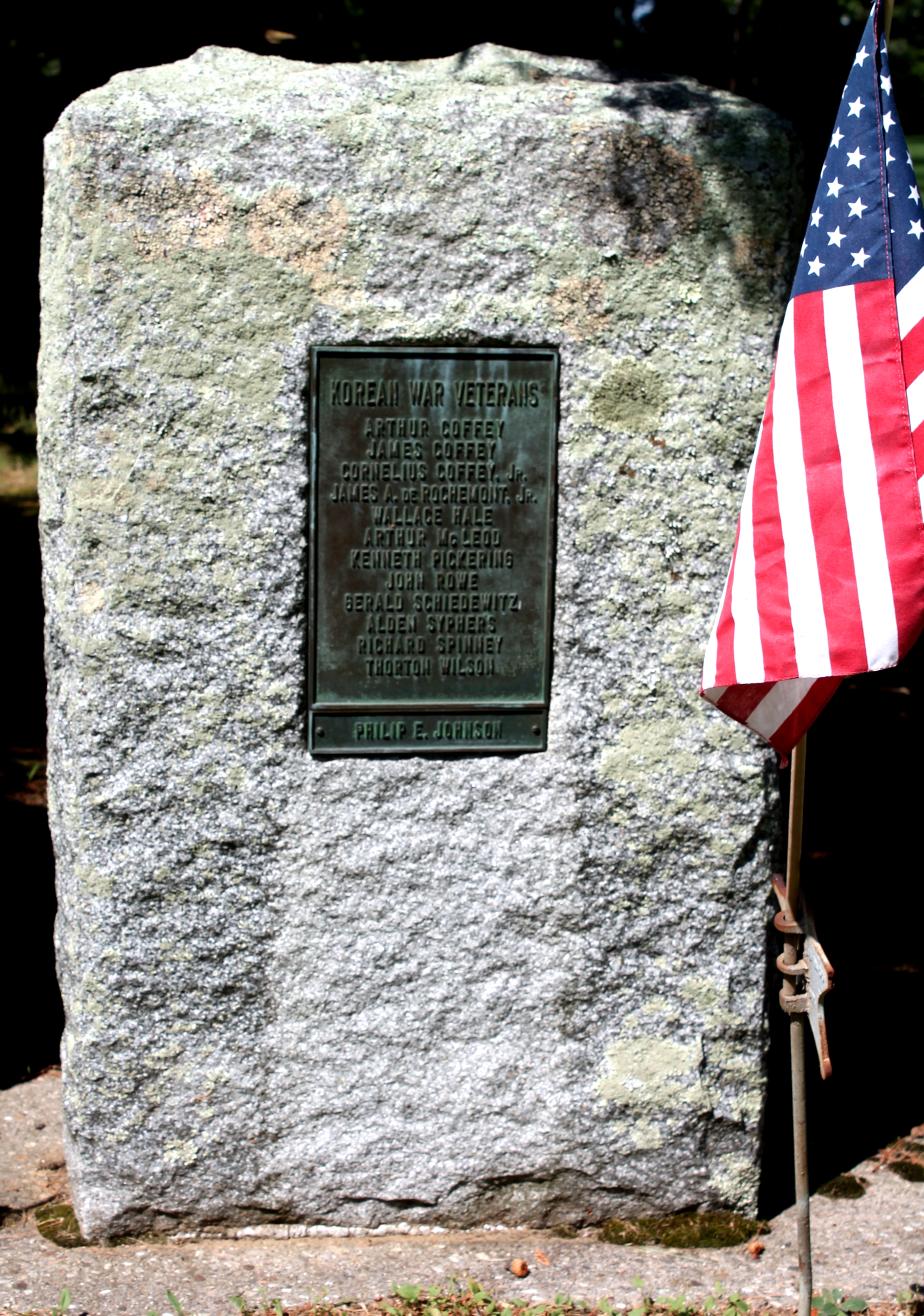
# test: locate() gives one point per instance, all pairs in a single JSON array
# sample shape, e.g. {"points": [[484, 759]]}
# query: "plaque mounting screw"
{"points": [[536, 729]]}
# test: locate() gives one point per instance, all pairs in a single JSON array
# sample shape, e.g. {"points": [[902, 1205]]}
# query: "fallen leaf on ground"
{"points": [[542, 1257]]}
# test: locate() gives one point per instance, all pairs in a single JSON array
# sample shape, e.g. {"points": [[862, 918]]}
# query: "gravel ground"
{"points": [[872, 1246]]}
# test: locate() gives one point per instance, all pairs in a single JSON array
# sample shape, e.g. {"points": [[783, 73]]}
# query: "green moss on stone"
{"points": [[57, 1222], [685, 1229], [843, 1186], [913, 1171], [565, 1231]]}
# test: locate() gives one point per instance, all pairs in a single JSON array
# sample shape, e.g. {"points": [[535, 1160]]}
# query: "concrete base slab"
{"points": [[873, 1247]]}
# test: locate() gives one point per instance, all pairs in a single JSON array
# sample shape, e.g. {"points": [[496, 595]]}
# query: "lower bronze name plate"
{"points": [[432, 479]]}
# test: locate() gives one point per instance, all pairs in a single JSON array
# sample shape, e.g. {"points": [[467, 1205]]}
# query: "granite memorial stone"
{"points": [[510, 978]]}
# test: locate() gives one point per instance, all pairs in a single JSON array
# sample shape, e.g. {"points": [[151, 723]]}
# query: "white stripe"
{"points": [[777, 705], [858, 472], [748, 652], [710, 662], [916, 402], [910, 303], [810, 632], [921, 494]]}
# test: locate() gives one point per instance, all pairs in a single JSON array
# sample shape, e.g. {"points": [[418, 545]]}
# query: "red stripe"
{"points": [[763, 470], [789, 733], [913, 353], [892, 445], [739, 701], [825, 483], [725, 627], [912, 366], [771, 580], [917, 439]]}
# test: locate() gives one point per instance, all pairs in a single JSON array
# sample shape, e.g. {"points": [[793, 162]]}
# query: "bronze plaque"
{"points": [[432, 479]]}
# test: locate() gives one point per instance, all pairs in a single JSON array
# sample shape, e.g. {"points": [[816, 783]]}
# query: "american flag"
{"points": [[827, 576]]}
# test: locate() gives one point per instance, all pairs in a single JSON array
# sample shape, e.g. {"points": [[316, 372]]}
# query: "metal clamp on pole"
{"points": [[806, 970], [790, 963]]}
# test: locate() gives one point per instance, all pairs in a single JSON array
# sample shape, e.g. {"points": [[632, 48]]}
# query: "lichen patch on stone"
{"points": [[632, 396]]}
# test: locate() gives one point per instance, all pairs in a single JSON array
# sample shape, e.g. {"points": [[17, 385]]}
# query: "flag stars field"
{"points": [[853, 204]]}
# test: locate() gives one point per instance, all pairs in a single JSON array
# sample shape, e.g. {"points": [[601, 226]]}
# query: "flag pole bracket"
{"points": [[807, 972]]}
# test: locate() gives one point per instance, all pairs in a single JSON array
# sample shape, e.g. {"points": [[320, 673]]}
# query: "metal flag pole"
{"points": [[791, 959], [807, 979]]}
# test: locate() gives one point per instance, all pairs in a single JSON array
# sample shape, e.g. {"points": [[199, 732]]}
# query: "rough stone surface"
{"points": [[400, 992]]}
